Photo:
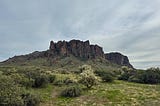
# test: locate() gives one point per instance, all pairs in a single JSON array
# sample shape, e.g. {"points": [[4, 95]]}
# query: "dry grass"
{"points": [[119, 93]]}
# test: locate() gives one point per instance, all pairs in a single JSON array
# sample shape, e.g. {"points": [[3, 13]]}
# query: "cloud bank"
{"points": [[131, 27]]}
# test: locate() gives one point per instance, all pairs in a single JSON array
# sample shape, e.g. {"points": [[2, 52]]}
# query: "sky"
{"points": [[131, 27]]}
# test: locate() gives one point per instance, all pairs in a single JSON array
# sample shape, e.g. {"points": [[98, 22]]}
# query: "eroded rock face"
{"points": [[77, 48], [82, 49], [118, 58]]}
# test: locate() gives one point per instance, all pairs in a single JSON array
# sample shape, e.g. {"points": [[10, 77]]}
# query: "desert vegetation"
{"points": [[34, 86], [149, 76]]}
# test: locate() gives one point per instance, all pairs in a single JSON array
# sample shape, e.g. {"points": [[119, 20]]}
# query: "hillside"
{"points": [[118, 93], [72, 53]]}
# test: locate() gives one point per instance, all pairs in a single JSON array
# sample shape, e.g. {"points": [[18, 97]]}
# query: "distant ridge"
{"points": [[76, 48]]}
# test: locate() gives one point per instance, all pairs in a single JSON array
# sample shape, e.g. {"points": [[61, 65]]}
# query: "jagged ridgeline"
{"points": [[70, 55]]}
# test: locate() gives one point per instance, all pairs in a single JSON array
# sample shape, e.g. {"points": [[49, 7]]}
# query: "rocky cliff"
{"points": [[77, 48], [118, 58]]}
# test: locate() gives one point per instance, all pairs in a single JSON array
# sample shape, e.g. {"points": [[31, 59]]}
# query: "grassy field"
{"points": [[118, 93]]}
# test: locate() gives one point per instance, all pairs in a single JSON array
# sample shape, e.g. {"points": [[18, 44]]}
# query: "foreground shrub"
{"points": [[41, 81], [72, 91], [31, 99], [52, 78], [40, 77], [88, 78], [22, 79], [10, 92]]}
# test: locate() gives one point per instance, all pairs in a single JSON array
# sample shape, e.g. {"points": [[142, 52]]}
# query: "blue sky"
{"points": [[131, 27]]}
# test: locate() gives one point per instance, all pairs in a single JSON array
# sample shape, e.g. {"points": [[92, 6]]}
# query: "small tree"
{"points": [[88, 78]]}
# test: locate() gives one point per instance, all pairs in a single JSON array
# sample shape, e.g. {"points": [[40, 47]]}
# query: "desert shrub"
{"points": [[39, 77], [59, 82], [22, 79], [69, 81], [9, 70], [72, 91], [1, 72], [65, 81], [26, 82], [126, 73], [52, 78], [150, 76], [31, 99], [88, 78], [124, 76], [135, 78], [41, 81], [106, 76], [10, 92]]}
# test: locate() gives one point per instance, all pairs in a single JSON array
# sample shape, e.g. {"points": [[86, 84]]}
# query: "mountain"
{"points": [[80, 50]]}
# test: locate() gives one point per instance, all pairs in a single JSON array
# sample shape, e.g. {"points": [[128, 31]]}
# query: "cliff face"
{"points": [[118, 58], [77, 48]]}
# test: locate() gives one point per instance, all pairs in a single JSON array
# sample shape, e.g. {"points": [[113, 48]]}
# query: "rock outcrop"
{"points": [[76, 48], [118, 58]]}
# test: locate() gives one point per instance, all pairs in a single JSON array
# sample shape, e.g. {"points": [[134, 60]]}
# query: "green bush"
{"points": [[10, 92], [38, 77], [22, 79], [26, 82], [41, 81], [107, 78], [150, 76], [88, 78], [31, 99], [72, 91], [65, 81], [126, 73], [69, 81], [124, 76], [9, 70], [52, 78], [59, 82], [135, 78]]}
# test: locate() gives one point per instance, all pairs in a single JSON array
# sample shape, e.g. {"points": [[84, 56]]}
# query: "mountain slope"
{"points": [[72, 53]]}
